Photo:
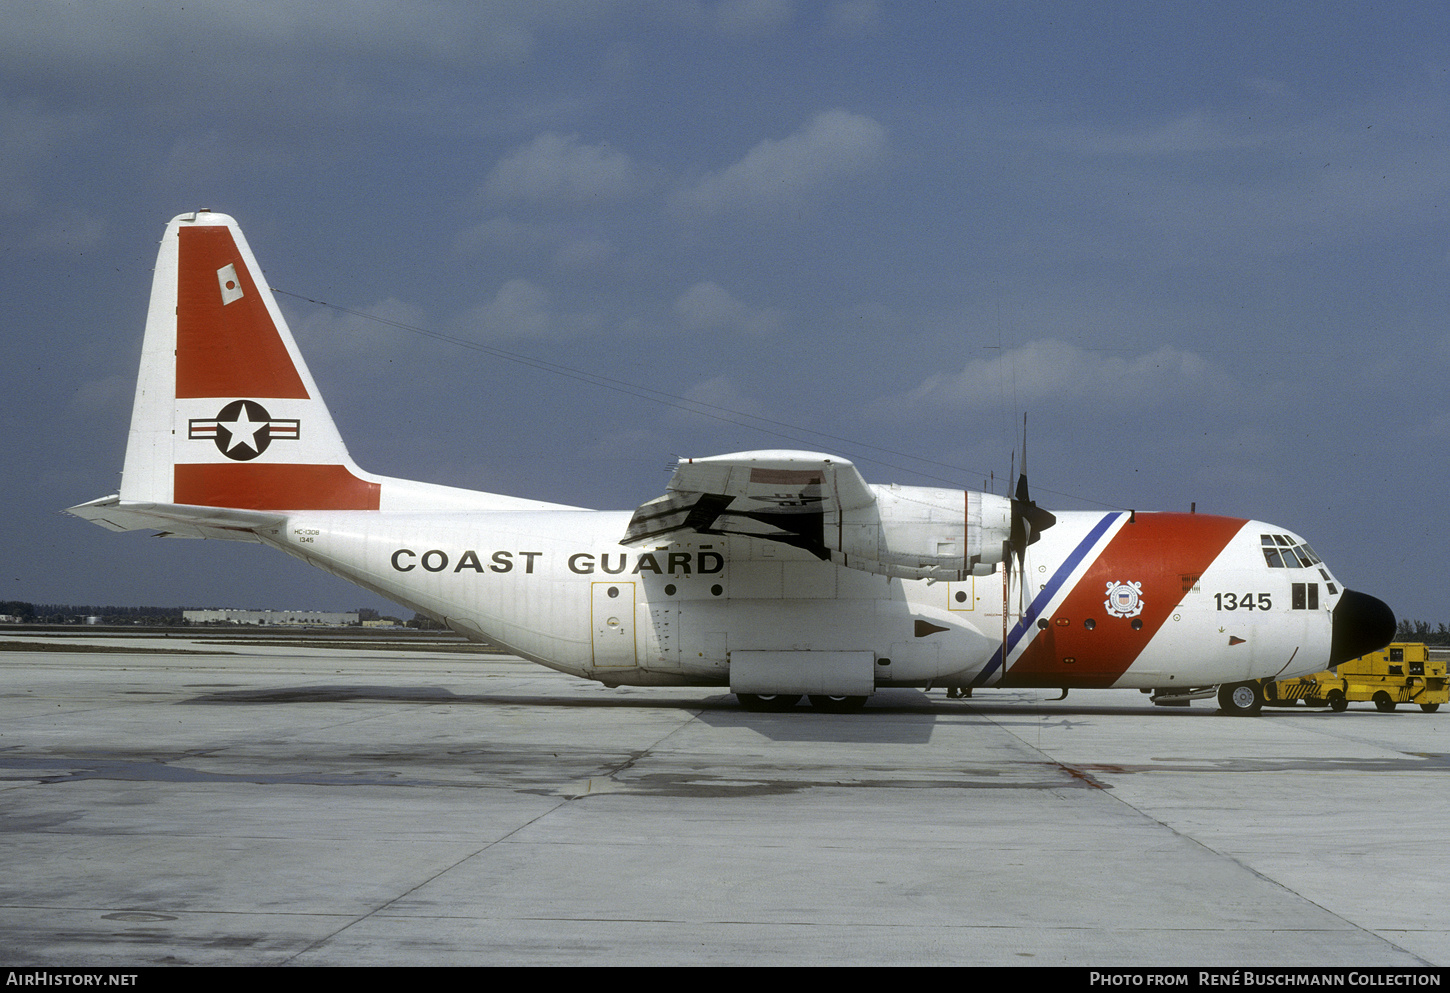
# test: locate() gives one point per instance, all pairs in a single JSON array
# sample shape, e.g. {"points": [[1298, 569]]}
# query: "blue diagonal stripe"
{"points": [[1045, 596]]}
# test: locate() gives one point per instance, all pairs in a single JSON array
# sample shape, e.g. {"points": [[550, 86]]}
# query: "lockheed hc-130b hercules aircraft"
{"points": [[779, 574]]}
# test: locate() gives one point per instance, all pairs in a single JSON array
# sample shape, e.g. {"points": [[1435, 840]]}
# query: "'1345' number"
{"points": [[1243, 601]]}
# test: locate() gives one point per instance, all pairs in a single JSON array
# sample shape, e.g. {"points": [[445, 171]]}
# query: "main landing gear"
{"points": [[837, 704], [767, 703], [774, 703]]}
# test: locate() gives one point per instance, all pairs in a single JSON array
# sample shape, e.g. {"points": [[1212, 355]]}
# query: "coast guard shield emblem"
{"points": [[1124, 599]]}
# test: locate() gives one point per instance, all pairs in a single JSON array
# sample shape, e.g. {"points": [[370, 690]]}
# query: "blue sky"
{"points": [[1204, 246]]}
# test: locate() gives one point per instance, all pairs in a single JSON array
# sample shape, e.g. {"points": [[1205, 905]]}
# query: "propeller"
{"points": [[1028, 522]]}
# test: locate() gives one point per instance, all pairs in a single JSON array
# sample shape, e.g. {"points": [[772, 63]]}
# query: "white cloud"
{"points": [[1244, 185], [507, 235], [561, 169], [1055, 370], [568, 250], [835, 146], [721, 400], [707, 306], [374, 342], [521, 309]]}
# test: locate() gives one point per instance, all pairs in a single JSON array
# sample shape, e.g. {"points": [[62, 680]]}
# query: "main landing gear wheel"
{"points": [[768, 703], [1241, 699], [837, 704]]}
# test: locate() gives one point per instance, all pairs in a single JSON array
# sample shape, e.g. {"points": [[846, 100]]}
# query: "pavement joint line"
{"points": [[1226, 856], [380, 910]]}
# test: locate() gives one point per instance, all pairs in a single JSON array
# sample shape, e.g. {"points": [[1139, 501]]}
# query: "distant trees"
{"points": [[72, 613], [80, 613], [1409, 630]]}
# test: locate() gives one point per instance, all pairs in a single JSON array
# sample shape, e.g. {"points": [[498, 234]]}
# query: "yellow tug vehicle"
{"points": [[1401, 672]]}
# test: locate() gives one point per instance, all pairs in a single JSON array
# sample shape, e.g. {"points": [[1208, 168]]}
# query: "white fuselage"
{"points": [[556, 587]]}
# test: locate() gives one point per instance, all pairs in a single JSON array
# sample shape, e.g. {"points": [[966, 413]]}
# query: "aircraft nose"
{"points": [[1362, 624]]}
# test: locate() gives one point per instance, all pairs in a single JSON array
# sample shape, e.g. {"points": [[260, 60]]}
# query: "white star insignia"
{"points": [[243, 430]]}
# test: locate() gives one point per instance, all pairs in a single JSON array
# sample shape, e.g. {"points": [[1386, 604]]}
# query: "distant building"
{"points": [[293, 618]]}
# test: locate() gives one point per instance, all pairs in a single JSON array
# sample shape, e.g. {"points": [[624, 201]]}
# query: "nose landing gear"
{"points": [[1241, 699]]}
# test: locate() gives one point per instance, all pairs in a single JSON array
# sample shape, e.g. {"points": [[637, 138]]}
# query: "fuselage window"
{"points": [[1304, 596], [1281, 552]]}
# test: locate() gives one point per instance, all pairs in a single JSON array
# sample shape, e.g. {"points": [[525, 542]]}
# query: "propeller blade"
{"points": [[1028, 519], [1027, 524]]}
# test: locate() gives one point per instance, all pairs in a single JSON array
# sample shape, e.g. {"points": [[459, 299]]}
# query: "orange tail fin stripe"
{"points": [[226, 343], [276, 486]]}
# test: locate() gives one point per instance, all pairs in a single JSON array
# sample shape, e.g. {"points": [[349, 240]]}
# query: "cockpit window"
{"points": [[1283, 552]]}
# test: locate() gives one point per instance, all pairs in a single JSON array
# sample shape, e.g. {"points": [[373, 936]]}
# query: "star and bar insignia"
{"points": [[243, 429]]}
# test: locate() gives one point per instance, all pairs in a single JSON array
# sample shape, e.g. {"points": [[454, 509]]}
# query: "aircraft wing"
{"points": [[784, 496]]}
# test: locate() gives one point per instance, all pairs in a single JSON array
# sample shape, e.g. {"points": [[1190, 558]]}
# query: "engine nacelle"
{"points": [[922, 532], [820, 503]]}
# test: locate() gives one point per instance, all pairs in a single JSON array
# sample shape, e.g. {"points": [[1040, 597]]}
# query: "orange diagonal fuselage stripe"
{"points": [[1166, 553]]}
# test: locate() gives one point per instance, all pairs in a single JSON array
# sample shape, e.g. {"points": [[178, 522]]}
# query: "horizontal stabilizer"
{"points": [[175, 520]]}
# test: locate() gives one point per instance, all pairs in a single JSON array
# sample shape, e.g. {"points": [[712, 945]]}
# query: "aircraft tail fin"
{"points": [[226, 413], [229, 432]]}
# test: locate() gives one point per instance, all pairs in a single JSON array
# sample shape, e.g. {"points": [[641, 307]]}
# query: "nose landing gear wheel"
{"points": [[1241, 699]]}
